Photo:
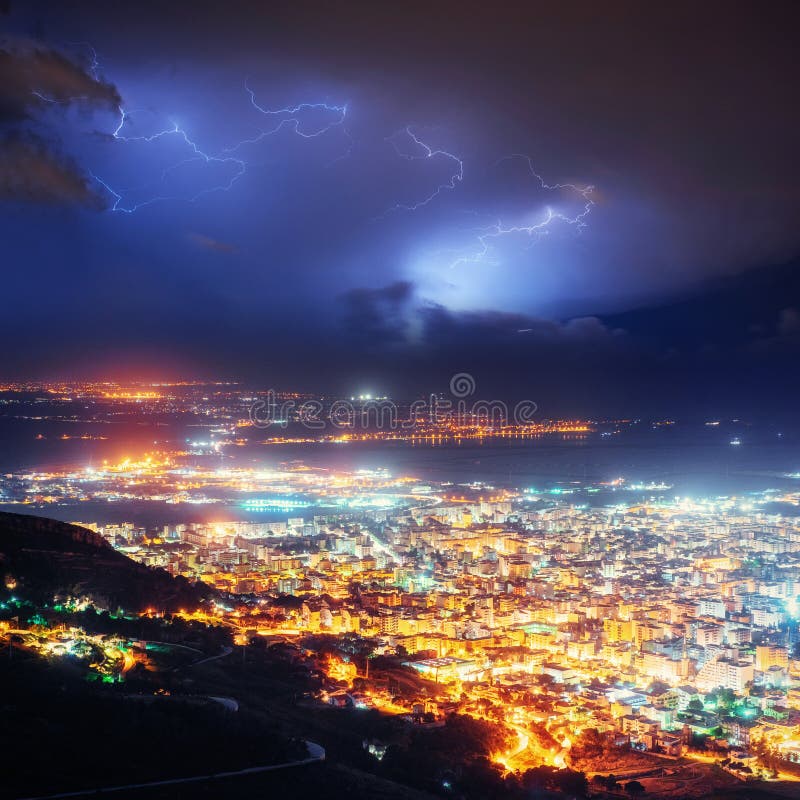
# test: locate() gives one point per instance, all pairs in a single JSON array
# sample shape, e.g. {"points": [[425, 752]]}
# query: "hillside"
{"points": [[46, 558]]}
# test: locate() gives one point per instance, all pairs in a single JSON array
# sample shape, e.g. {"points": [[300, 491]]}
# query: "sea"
{"points": [[677, 460]]}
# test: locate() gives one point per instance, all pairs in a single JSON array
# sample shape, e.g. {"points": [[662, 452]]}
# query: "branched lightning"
{"points": [[427, 152], [488, 235], [584, 191], [286, 118], [54, 101], [289, 117], [198, 155], [94, 64], [311, 120]]}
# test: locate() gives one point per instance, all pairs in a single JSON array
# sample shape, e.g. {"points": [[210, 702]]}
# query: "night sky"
{"points": [[593, 205]]}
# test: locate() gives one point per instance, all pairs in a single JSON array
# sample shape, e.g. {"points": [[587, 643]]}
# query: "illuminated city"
{"points": [[601, 626], [398, 401]]}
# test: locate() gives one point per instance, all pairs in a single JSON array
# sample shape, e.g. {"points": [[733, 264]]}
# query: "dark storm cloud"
{"points": [[31, 72], [725, 312], [393, 326], [35, 79], [394, 313], [32, 170], [377, 317], [517, 354], [517, 331]]}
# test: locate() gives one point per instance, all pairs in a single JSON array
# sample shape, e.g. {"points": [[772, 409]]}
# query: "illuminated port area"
{"points": [[168, 480]]}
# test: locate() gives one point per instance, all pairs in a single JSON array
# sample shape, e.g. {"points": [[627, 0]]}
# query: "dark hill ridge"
{"points": [[49, 558]]}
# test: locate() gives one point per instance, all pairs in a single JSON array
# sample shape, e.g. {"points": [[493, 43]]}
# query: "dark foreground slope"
{"points": [[47, 558]]}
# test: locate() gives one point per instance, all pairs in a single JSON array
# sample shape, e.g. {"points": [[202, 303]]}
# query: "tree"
{"points": [[725, 698], [634, 788], [565, 781]]}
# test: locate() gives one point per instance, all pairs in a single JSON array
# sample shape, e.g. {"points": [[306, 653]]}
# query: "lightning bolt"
{"points": [[488, 235], [58, 102], [290, 117], [94, 64], [427, 152], [311, 120], [584, 191], [198, 155]]}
